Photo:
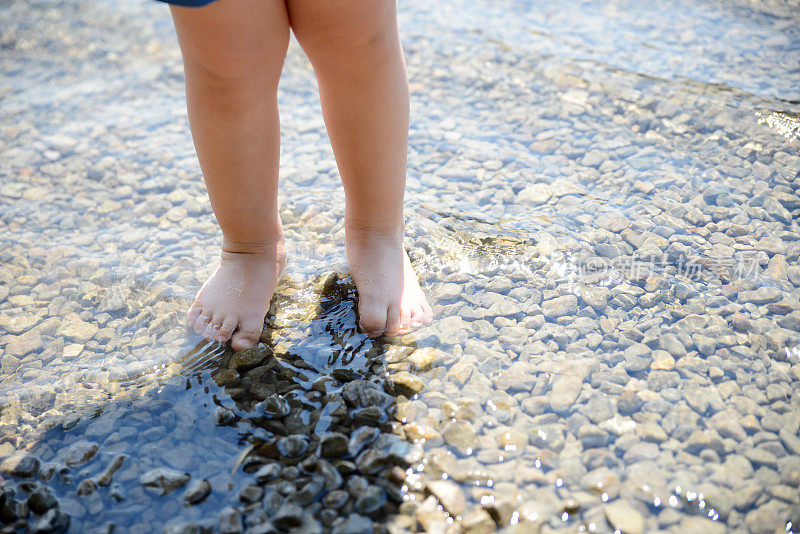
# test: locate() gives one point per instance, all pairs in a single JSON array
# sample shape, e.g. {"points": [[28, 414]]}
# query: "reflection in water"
{"points": [[603, 206]]}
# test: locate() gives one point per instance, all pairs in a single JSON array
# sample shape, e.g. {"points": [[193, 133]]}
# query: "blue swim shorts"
{"points": [[190, 3]]}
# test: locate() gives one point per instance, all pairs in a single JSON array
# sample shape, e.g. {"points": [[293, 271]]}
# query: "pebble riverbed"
{"points": [[602, 206]]}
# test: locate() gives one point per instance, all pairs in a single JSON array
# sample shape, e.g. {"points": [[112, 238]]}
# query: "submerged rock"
{"points": [[309, 492], [333, 445], [41, 500], [77, 330], [621, 516], [372, 461], [292, 446], [250, 494], [565, 390], [268, 473], [560, 306], [450, 495], [478, 521], [331, 476], [275, 406], [20, 464], [80, 453], [406, 383], [106, 477], [53, 521], [245, 359], [196, 491], [762, 295], [425, 358], [461, 435], [164, 479], [86, 487], [638, 357], [230, 521], [288, 516], [370, 500], [354, 524], [224, 416], [336, 499], [364, 393], [360, 438]]}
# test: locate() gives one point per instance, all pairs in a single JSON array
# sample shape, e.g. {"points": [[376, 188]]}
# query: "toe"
{"points": [[417, 315], [372, 317], [393, 320], [427, 312], [405, 320], [201, 323], [247, 335], [194, 313], [210, 331], [226, 330]]}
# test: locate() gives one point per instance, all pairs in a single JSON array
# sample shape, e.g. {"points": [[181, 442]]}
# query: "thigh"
{"points": [[332, 26], [233, 39]]}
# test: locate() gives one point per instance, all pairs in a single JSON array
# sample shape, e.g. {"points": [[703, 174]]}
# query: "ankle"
{"points": [[272, 248], [362, 229]]}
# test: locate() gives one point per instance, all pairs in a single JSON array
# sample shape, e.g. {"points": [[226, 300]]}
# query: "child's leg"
{"points": [[355, 50], [233, 52]]}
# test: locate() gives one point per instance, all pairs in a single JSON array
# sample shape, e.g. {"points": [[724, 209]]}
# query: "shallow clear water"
{"points": [[602, 207]]}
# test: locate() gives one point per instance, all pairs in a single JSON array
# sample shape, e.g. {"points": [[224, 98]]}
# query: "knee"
{"points": [[232, 75], [366, 37]]}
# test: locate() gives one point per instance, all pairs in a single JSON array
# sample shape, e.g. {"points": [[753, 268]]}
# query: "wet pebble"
{"points": [[623, 517], [564, 391], [41, 500], [107, 475], [353, 524], [309, 492], [196, 491], [250, 494], [87, 487], [289, 516], [370, 500], [230, 521], [275, 406], [268, 473], [20, 464], [292, 446], [53, 521], [223, 416], [333, 445], [80, 453], [461, 435], [336, 499], [164, 479], [560, 306], [638, 358], [450, 495], [75, 329], [248, 358], [406, 383], [762, 295], [333, 479]]}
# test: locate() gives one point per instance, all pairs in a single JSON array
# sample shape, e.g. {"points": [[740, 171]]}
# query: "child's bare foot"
{"points": [[390, 300], [233, 302]]}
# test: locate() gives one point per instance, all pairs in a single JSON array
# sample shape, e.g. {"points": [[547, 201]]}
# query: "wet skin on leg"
{"points": [[233, 52], [354, 47]]}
